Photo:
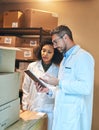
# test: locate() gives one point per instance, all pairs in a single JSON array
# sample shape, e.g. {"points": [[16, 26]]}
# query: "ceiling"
{"points": [[21, 1]]}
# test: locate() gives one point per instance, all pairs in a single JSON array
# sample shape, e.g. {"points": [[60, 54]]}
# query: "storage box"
{"points": [[1, 20], [30, 121], [10, 41], [29, 42], [26, 53], [9, 87], [21, 77], [7, 59], [22, 67], [13, 19], [40, 18], [9, 113]]}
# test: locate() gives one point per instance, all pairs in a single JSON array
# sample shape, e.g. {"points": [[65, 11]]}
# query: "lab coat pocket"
{"points": [[67, 69], [67, 72]]}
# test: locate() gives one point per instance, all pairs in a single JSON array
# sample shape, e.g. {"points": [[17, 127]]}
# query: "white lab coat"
{"points": [[74, 98], [34, 101]]}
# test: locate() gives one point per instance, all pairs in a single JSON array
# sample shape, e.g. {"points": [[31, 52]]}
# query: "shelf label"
{"points": [[7, 40], [14, 24], [27, 53]]}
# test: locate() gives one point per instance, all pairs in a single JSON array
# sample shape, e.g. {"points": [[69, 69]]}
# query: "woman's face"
{"points": [[47, 53]]}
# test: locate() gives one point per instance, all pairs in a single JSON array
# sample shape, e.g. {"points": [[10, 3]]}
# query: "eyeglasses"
{"points": [[56, 40]]}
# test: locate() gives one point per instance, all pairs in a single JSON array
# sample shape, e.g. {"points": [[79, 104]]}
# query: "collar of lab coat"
{"points": [[40, 67], [74, 51]]}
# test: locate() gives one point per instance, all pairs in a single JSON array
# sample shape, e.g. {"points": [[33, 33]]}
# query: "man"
{"points": [[74, 96]]}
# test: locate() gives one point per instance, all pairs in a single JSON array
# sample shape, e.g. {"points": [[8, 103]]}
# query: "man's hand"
{"points": [[50, 79]]}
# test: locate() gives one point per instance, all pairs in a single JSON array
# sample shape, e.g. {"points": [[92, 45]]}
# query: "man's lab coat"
{"points": [[74, 98]]}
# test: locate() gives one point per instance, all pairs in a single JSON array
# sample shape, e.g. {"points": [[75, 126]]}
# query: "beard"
{"points": [[62, 50]]}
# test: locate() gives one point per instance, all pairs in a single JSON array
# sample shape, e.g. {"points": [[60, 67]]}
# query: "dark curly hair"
{"points": [[57, 57]]}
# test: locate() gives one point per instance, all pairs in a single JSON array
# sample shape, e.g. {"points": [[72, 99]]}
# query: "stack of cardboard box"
{"points": [[9, 79], [27, 51], [30, 18], [9, 88], [11, 117], [27, 46]]}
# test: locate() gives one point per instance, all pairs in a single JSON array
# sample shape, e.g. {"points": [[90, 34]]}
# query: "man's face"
{"points": [[59, 43]]}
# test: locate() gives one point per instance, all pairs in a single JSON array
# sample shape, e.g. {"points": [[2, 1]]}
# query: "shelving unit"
{"points": [[39, 33], [25, 31]]}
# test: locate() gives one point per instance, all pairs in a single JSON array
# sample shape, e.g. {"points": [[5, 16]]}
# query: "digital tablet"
{"points": [[33, 77]]}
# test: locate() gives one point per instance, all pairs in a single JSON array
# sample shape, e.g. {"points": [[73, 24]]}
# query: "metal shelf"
{"points": [[24, 31]]}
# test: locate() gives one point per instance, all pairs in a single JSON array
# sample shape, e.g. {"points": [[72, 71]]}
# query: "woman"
{"points": [[47, 63]]}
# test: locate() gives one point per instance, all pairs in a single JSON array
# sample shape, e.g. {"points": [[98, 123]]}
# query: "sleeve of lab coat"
{"points": [[52, 91]]}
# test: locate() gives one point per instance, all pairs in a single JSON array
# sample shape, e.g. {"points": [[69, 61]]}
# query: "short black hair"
{"points": [[57, 57], [61, 30]]}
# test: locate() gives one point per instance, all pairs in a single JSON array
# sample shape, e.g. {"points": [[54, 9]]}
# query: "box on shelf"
{"points": [[9, 87], [29, 42], [13, 19], [9, 113], [30, 121], [40, 18], [26, 53], [1, 20], [21, 78], [10, 41], [22, 67], [7, 59]]}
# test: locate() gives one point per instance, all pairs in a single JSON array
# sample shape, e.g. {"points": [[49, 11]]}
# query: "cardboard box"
{"points": [[26, 53], [1, 20], [21, 77], [30, 121], [9, 113], [29, 42], [7, 59], [40, 18], [10, 41], [13, 19], [9, 87], [22, 67]]}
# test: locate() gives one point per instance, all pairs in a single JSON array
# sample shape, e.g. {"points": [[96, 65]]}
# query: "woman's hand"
{"points": [[40, 88]]}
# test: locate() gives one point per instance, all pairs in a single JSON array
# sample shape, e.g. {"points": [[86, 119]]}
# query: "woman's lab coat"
{"points": [[74, 98], [34, 101]]}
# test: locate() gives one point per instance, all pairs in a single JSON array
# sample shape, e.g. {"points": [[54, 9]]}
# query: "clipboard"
{"points": [[33, 77]]}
